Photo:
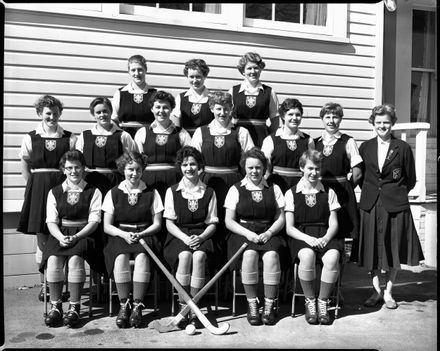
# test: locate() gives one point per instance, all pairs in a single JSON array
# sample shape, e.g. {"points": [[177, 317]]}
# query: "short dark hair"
{"points": [[254, 152], [385, 109], [250, 57], [98, 101], [129, 157], [220, 98], [198, 64], [331, 107], [310, 155], [162, 96], [72, 156], [47, 101], [288, 104], [137, 58], [188, 151]]}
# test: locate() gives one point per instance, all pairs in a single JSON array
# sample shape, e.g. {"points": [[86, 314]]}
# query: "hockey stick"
{"points": [[172, 325], [206, 323]]}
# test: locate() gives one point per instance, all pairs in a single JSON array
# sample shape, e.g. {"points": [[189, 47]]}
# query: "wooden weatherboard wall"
{"points": [[77, 58]]}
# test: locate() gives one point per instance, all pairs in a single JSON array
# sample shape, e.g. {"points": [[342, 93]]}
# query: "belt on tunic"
{"points": [[311, 224], [264, 221], [193, 225], [286, 171], [77, 223], [131, 124], [138, 226], [159, 166], [254, 122], [41, 170], [222, 170], [101, 170], [340, 179]]}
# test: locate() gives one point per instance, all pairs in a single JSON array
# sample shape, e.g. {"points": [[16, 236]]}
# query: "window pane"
{"points": [[315, 14], [175, 6], [207, 8], [421, 85], [287, 12], [150, 4], [423, 40], [260, 11]]}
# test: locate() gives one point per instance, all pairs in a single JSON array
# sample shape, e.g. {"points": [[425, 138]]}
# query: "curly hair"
{"points": [[310, 155], [331, 107], [139, 59], [100, 101], [72, 156], [250, 57], [184, 153], [288, 104], [385, 109], [130, 157], [255, 152], [47, 101], [219, 98], [197, 64], [161, 95]]}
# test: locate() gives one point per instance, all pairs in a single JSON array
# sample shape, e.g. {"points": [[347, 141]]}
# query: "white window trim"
{"points": [[231, 18]]}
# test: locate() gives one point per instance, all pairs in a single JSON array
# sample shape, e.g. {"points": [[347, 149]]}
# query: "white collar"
{"points": [[218, 128], [102, 131], [326, 136], [134, 89], [157, 128], [40, 130], [280, 132], [381, 141], [123, 186], [192, 92], [67, 186], [249, 184], [300, 186], [244, 86], [200, 186]]}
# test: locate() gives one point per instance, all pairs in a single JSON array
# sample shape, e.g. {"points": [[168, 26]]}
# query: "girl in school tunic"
{"points": [[130, 103], [73, 214], [192, 109], [160, 143], [255, 104], [311, 223], [40, 153], [191, 217], [221, 145], [254, 214], [132, 211], [340, 155], [284, 147], [388, 237]]}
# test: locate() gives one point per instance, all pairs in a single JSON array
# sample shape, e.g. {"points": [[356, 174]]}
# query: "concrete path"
{"points": [[412, 326]]}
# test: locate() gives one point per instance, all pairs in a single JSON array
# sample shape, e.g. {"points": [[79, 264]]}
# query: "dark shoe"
{"points": [[253, 315], [71, 317], [184, 321], [41, 293], [311, 316], [136, 314], [390, 302], [55, 314], [192, 319], [268, 316], [374, 299], [123, 315], [323, 316]]}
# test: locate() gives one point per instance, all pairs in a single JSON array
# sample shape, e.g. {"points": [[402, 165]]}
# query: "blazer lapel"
{"points": [[392, 152]]}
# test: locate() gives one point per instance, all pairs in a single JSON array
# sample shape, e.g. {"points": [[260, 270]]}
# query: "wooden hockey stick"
{"points": [[206, 323]]}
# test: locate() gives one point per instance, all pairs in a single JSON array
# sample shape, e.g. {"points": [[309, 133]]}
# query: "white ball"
{"points": [[190, 329]]}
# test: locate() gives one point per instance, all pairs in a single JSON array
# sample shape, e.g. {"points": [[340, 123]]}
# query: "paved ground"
{"points": [[412, 326]]}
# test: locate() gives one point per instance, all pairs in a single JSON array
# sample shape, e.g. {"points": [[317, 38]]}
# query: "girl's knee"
{"points": [[199, 258], [331, 259], [307, 257]]}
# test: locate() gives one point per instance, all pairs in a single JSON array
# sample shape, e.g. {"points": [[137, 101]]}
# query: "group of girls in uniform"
{"points": [[196, 177]]}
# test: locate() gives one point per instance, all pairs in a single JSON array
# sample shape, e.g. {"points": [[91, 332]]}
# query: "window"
{"points": [[192, 7], [423, 67]]}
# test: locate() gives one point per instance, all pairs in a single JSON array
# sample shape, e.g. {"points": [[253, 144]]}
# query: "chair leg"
{"points": [[216, 297], [156, 290], [295, 276], [44, 291], [234, 283], [110, 300], [91, 272]]}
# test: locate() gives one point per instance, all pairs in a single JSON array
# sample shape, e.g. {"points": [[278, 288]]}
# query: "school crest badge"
{"points": [[291, 144], [328, 149], [195, 108], [396, 173], [100, 141], [138, 98], [193, 205], [311, 200], [50, 145], [251, 101], [72, 197], [219, 141], [132, 199], [257, 196], [161, 139]]}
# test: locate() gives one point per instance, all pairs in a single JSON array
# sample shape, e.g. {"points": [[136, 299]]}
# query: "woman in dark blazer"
{"points": [[388, 237]]}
